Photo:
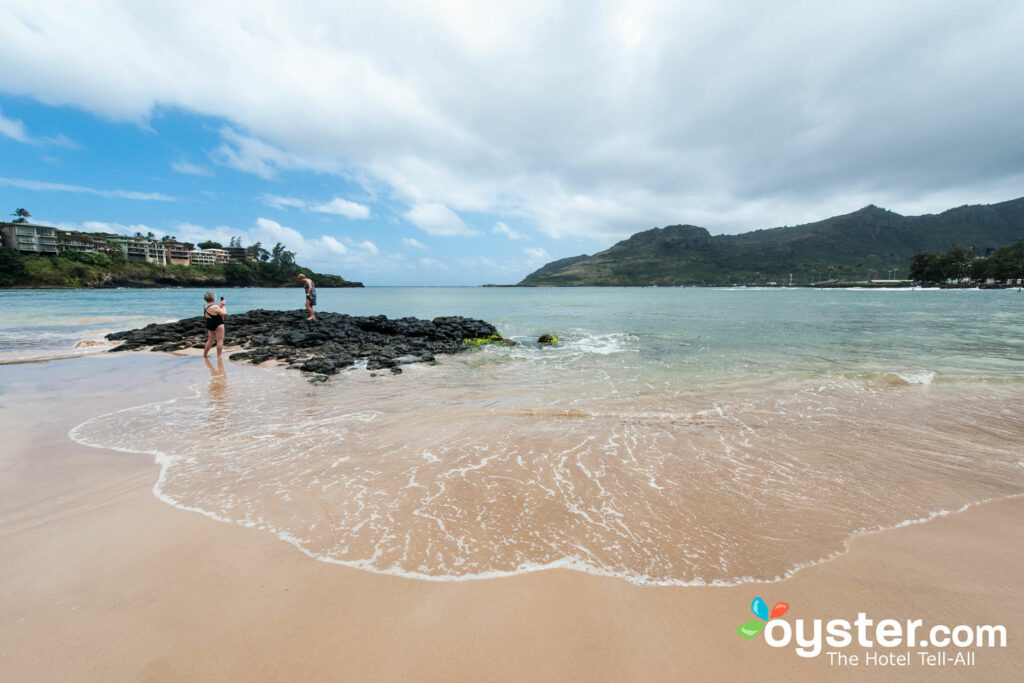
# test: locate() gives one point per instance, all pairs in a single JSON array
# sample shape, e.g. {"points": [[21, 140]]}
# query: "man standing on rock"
{"points": [[310, 296]]}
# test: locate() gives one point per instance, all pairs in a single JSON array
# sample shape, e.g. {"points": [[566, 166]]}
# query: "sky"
{"points": [[462, 143]]}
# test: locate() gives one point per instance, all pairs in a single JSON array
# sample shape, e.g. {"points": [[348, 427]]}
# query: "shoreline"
{"points": [[166, 460], [101, 580]]}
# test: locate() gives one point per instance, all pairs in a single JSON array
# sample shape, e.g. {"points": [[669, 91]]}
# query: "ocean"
{"points": [[674, 436]]}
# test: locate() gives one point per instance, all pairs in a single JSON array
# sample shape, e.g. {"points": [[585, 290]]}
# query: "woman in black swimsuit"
{"points": [[214, 323]]}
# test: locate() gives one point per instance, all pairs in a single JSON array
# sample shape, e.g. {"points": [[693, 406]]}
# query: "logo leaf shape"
{"points": [[779, 609], [750, 629], [759, 608]]}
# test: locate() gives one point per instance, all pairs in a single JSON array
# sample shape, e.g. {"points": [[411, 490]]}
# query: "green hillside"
{"points": [[75, 269], [865, 243]]}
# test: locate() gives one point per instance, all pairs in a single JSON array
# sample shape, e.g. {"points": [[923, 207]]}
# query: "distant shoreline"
{"points": [[851, 285], [196, 285]]}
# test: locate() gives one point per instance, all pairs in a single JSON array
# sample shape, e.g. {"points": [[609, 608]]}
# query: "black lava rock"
{"points": [[325, 346]]}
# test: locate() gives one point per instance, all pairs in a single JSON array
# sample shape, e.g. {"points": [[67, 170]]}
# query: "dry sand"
{"points": [[101, 581]]}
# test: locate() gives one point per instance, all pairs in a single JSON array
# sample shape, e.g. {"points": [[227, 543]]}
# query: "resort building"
{"points": [[30, 239], [80, 241], [178, 253], [235, 254], [201, 257], [40, 239], [219, 255], [141, 249]]}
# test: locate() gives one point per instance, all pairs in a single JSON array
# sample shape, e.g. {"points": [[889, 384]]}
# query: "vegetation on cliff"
{"points": [[866, 244], [104, 269]]}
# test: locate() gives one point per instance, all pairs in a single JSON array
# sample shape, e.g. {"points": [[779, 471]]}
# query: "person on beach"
{"points": [[310, 296], [214, 323]]}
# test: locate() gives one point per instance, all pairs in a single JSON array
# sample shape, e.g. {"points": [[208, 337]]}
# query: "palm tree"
{"points": [[21, 216]]}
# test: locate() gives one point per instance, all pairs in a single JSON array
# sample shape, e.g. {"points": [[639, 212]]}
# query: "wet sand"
{"points": [[99, 580]]}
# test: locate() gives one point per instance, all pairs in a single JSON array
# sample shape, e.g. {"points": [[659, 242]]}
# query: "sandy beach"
{"points": [[99, 580]]}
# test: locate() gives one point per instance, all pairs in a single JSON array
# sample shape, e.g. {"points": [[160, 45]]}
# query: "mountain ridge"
{"points": [[868, 239]]}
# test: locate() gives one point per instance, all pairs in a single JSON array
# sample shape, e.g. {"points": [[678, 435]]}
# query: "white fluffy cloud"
{"points": [[596, 119], [536, 256], [188, 168], [413, 242], [40, 186], [343, 207], [432, 264], [334, 246], [277, 202], [439, 220], [13, 128], [336, 206], [500, 228]]}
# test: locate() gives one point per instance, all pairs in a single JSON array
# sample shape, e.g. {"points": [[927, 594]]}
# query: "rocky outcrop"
{"points": [[325, 346]]}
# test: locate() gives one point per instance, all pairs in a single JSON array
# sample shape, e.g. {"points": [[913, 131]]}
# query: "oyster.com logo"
{"points": [[884, 642], [760, 610]]}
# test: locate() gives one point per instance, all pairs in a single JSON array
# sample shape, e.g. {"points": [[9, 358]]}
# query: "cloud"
{"points": [[337, 206], [369, 246], [16, 130], [438, 220], [501, 229], [586, 122], [252, 155], [113, 228], [37, 185], [59, 140], [343, 207], [184, 166], [334, 246], [432, 264], [412, 242], [536, 256], [13, 128], [480, 262], [276, 202]]}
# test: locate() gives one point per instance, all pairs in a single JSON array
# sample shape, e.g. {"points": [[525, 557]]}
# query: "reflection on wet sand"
{"points": [[217, 394], [448, 474]]}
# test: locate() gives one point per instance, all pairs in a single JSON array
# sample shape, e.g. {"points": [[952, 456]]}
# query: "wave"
{"points": [[484, 482]]}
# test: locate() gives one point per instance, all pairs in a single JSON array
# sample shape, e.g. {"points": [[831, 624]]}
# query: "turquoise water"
{"points": [[673, 436], [689, 334]]}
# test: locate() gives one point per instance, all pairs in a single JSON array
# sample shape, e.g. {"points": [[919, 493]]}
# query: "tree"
{"points": [[209, 245], [924, 267], [21, 216], [953, 264], [236, 241], [1005, 263], [12, 267], [281, 257], [150, 235], [256, 252]]}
